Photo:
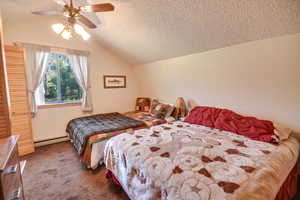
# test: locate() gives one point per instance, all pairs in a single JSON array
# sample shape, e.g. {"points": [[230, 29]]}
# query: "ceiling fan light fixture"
{"points": [[66, 30], [58, 28], [66, 34]]}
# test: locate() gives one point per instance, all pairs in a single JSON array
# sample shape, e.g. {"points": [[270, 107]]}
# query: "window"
{"points": [[60, 84]]}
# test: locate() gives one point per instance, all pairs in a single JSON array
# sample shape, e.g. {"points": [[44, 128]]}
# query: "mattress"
{"points": [[184, 161], [97, 154]]}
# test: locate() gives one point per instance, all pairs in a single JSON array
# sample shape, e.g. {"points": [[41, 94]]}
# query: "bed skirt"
{"points": [[289, 187], [286, 192], [111, 176]]}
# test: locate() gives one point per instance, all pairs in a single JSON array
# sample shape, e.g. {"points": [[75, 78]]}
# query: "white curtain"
{"points": [[37, 62], [79, 64]]}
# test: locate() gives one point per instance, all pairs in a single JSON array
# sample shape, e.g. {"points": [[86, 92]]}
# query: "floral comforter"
{"points": [[184, 161]]}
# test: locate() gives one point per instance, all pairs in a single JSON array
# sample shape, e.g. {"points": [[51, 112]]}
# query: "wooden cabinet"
{"points": [[20, 114], [11, 169]]}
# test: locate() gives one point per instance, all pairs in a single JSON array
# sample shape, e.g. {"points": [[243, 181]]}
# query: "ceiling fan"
{"points": [[73, 15]]}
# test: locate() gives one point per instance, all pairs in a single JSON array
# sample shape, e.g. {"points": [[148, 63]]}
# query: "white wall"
{"points": [[51, 123], [260, 78]]}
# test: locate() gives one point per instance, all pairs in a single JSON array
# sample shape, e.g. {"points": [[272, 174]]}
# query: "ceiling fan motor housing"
{"points": [[71, 12]]}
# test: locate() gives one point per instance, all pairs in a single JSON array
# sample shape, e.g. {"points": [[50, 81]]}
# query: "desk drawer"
{"points": [[11, 177], [11, 186], [16, 194]]}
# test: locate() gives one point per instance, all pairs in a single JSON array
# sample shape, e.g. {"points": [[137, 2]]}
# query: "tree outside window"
{"points": [[60, 84]]}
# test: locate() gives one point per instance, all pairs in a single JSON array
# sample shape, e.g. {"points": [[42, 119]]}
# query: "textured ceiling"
{"points": [[150, 30]]}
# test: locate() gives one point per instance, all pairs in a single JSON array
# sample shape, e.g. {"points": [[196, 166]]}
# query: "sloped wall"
{"points": [[260, 78]]}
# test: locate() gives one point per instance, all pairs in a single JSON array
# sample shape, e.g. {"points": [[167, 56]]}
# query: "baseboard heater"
{"points": [[51, 141]]}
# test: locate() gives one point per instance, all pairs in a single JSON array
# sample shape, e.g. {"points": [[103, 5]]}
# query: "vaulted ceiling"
{"points": [[149, 30]]}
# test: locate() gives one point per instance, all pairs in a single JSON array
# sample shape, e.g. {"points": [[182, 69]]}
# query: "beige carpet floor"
{"points": [[54, 172]]}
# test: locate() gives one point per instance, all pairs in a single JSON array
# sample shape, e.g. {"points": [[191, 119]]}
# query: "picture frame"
{"points": [[114, 81]]}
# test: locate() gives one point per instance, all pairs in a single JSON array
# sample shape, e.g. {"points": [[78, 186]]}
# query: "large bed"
{"points": [[180, 160]]}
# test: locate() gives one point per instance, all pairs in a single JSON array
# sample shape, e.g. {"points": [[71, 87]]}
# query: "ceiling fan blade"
{"points": [[87, 22], [104, 7], [48, 12], [60, 2]]}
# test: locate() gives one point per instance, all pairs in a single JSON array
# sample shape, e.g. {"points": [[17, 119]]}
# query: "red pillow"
{"points": [[251, 127], [203, 115], [228, 120]]}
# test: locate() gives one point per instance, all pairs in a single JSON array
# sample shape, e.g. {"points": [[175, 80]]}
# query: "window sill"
{"points": [[58, 105]]}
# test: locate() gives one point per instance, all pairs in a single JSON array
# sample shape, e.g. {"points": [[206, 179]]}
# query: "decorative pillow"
{"points": [[256, 129], [202, 115], [180, 110], [153, 103], [142, 104], [162, 111]]}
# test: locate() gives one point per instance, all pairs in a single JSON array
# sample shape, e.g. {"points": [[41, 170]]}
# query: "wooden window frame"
{"points": [[59, 105]]}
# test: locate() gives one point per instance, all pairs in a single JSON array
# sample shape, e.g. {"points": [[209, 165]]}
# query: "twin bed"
{"points": [[90, 134], [214, 154]]}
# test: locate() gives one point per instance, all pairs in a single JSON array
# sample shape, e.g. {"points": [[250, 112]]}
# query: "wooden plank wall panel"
{"points": [[19, 103], [4, 106], [4, 128]]}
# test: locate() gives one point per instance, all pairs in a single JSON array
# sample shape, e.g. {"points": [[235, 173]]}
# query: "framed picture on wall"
{"points": [[114, 81]]}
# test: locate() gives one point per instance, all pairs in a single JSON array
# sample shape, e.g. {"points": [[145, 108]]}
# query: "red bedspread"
{"points": [[228, 120]]}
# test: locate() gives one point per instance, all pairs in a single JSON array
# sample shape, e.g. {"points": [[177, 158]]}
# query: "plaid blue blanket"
{"points": [[82, 128]]}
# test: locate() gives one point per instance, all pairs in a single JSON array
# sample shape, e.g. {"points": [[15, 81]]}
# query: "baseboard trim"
{"points": [[51, 141]]}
